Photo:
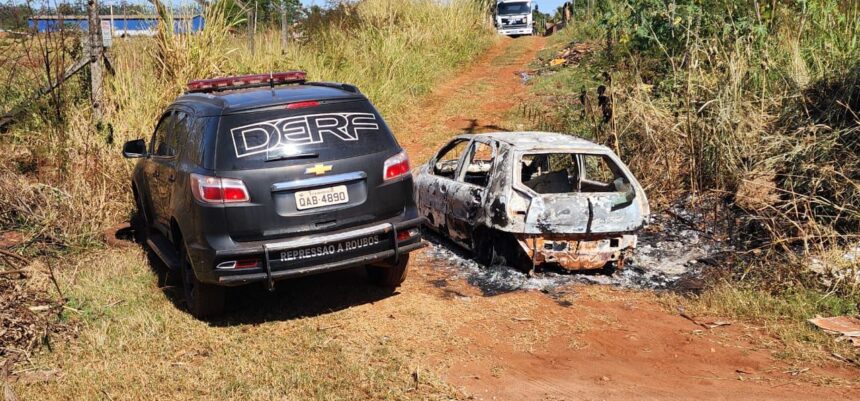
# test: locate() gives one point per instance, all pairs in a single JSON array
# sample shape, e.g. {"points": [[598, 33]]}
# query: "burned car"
{"points": [[531, 199]]}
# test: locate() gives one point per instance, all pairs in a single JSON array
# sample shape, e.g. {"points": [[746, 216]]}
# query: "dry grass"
{"points": [[782, 317], [134, 343]]}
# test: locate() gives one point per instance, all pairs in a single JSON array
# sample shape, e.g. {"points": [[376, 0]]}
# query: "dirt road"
{"points": [[575, 341], [453, 330]]}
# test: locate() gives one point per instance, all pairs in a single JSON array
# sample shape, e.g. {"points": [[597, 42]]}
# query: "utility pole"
{"points": [[251, 14], [96, 50], [285, 26]]}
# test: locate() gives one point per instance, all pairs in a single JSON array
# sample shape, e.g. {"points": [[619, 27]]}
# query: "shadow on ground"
{"points": [[292, 299], [299, 298], [475, 127]]}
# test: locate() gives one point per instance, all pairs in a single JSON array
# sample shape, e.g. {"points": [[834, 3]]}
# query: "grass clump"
{"points": [[783, 316]]}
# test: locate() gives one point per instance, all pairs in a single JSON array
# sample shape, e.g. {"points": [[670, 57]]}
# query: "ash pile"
{"points": [[676, 252]]}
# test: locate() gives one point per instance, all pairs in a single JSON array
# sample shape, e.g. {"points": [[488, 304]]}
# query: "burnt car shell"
{"points": [[528, 208]]}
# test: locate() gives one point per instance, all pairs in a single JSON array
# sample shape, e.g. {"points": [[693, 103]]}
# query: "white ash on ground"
{"points": [[669, 254]]}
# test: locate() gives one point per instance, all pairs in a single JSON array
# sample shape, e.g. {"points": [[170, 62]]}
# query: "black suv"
{"points": [[266, 177]]}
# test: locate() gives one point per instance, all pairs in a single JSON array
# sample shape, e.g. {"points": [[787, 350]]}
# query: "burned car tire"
{"points": [[498, 249], [201, 299], [389, 275]]}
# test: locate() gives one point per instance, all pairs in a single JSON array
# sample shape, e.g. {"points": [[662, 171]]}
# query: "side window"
{"points": [[171, 133], [159, 145], [177, 137], [601, 174], [479, 164], [448, 160], [194, 145]]}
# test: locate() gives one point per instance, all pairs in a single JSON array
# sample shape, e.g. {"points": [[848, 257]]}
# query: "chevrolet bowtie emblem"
{"points": [[319, 169]]}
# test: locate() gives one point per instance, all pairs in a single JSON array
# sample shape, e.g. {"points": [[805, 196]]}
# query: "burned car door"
{"points": [[466, 195], [435, 180]]}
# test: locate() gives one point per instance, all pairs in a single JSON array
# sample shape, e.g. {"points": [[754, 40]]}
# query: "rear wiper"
{"points": [[294, 156]]}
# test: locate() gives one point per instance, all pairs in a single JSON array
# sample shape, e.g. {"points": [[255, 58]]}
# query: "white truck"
{"points": [[514, 17]]}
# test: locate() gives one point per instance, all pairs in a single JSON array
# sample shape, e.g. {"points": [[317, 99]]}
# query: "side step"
{"points": [[164, 249]]}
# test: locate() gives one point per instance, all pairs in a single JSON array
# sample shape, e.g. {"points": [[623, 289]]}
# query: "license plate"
{"points": [[321, 197]]}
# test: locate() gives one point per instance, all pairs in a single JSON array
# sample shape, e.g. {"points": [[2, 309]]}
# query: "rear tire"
{"points": [[202, 299], [500, 249], [389, 275], [610, 268]]}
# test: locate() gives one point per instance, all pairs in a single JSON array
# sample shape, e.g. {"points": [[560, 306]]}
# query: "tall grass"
{"points": [[757, 107], [394, 51], [755, 101]]}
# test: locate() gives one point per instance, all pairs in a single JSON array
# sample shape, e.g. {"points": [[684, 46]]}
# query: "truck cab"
{"points": [[513, 17]]}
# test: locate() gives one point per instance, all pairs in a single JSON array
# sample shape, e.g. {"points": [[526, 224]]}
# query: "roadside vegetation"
{"points": [[744, 108], [63, 182]]}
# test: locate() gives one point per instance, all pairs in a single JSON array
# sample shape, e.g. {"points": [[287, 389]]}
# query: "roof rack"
{"points": [[246, 81]]}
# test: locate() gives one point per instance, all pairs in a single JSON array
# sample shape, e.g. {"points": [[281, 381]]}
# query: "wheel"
{"points": [[610, 268], [389, 275], [484, 248], [497, 249], [201, 299]]}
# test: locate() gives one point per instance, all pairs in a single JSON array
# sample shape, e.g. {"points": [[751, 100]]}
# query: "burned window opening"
{"points": [[480, 164], [448, 161], [559, 173]]}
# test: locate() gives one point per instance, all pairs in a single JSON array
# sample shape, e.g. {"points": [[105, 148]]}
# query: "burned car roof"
{"points": [[537, 140]]}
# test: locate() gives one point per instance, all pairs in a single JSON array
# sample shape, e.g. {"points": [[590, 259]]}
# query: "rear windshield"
{"points": [[274, 136], [557, 173]]}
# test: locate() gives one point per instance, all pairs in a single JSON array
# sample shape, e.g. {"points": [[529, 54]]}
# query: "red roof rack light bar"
{"points": [[247, 81]]}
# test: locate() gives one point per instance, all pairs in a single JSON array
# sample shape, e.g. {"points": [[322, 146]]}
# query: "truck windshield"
{"points": [[514, 8]]}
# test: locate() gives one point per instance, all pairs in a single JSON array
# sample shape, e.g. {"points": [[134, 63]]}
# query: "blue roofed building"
{"points": [[122, 25]]}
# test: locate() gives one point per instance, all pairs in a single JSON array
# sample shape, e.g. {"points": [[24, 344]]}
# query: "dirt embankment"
{"points": [[539, 339]]}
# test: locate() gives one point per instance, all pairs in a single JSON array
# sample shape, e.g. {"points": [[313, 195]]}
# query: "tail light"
{"points": [[216, 190], [407, 234], [303, 105], [239, 264], [396, 166]]}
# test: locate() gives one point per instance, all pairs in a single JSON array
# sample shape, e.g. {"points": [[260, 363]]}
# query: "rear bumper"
{"points": [[576, 253], [302, 257], [318, 269]]}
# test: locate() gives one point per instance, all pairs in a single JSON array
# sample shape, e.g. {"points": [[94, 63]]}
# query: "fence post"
{"points": [[96, 51]]}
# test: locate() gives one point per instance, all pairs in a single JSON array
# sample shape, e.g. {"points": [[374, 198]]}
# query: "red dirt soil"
{"points": [[596, 342]]}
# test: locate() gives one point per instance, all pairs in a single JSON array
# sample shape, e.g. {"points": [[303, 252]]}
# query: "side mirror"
{"points": [[134, 149]]}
